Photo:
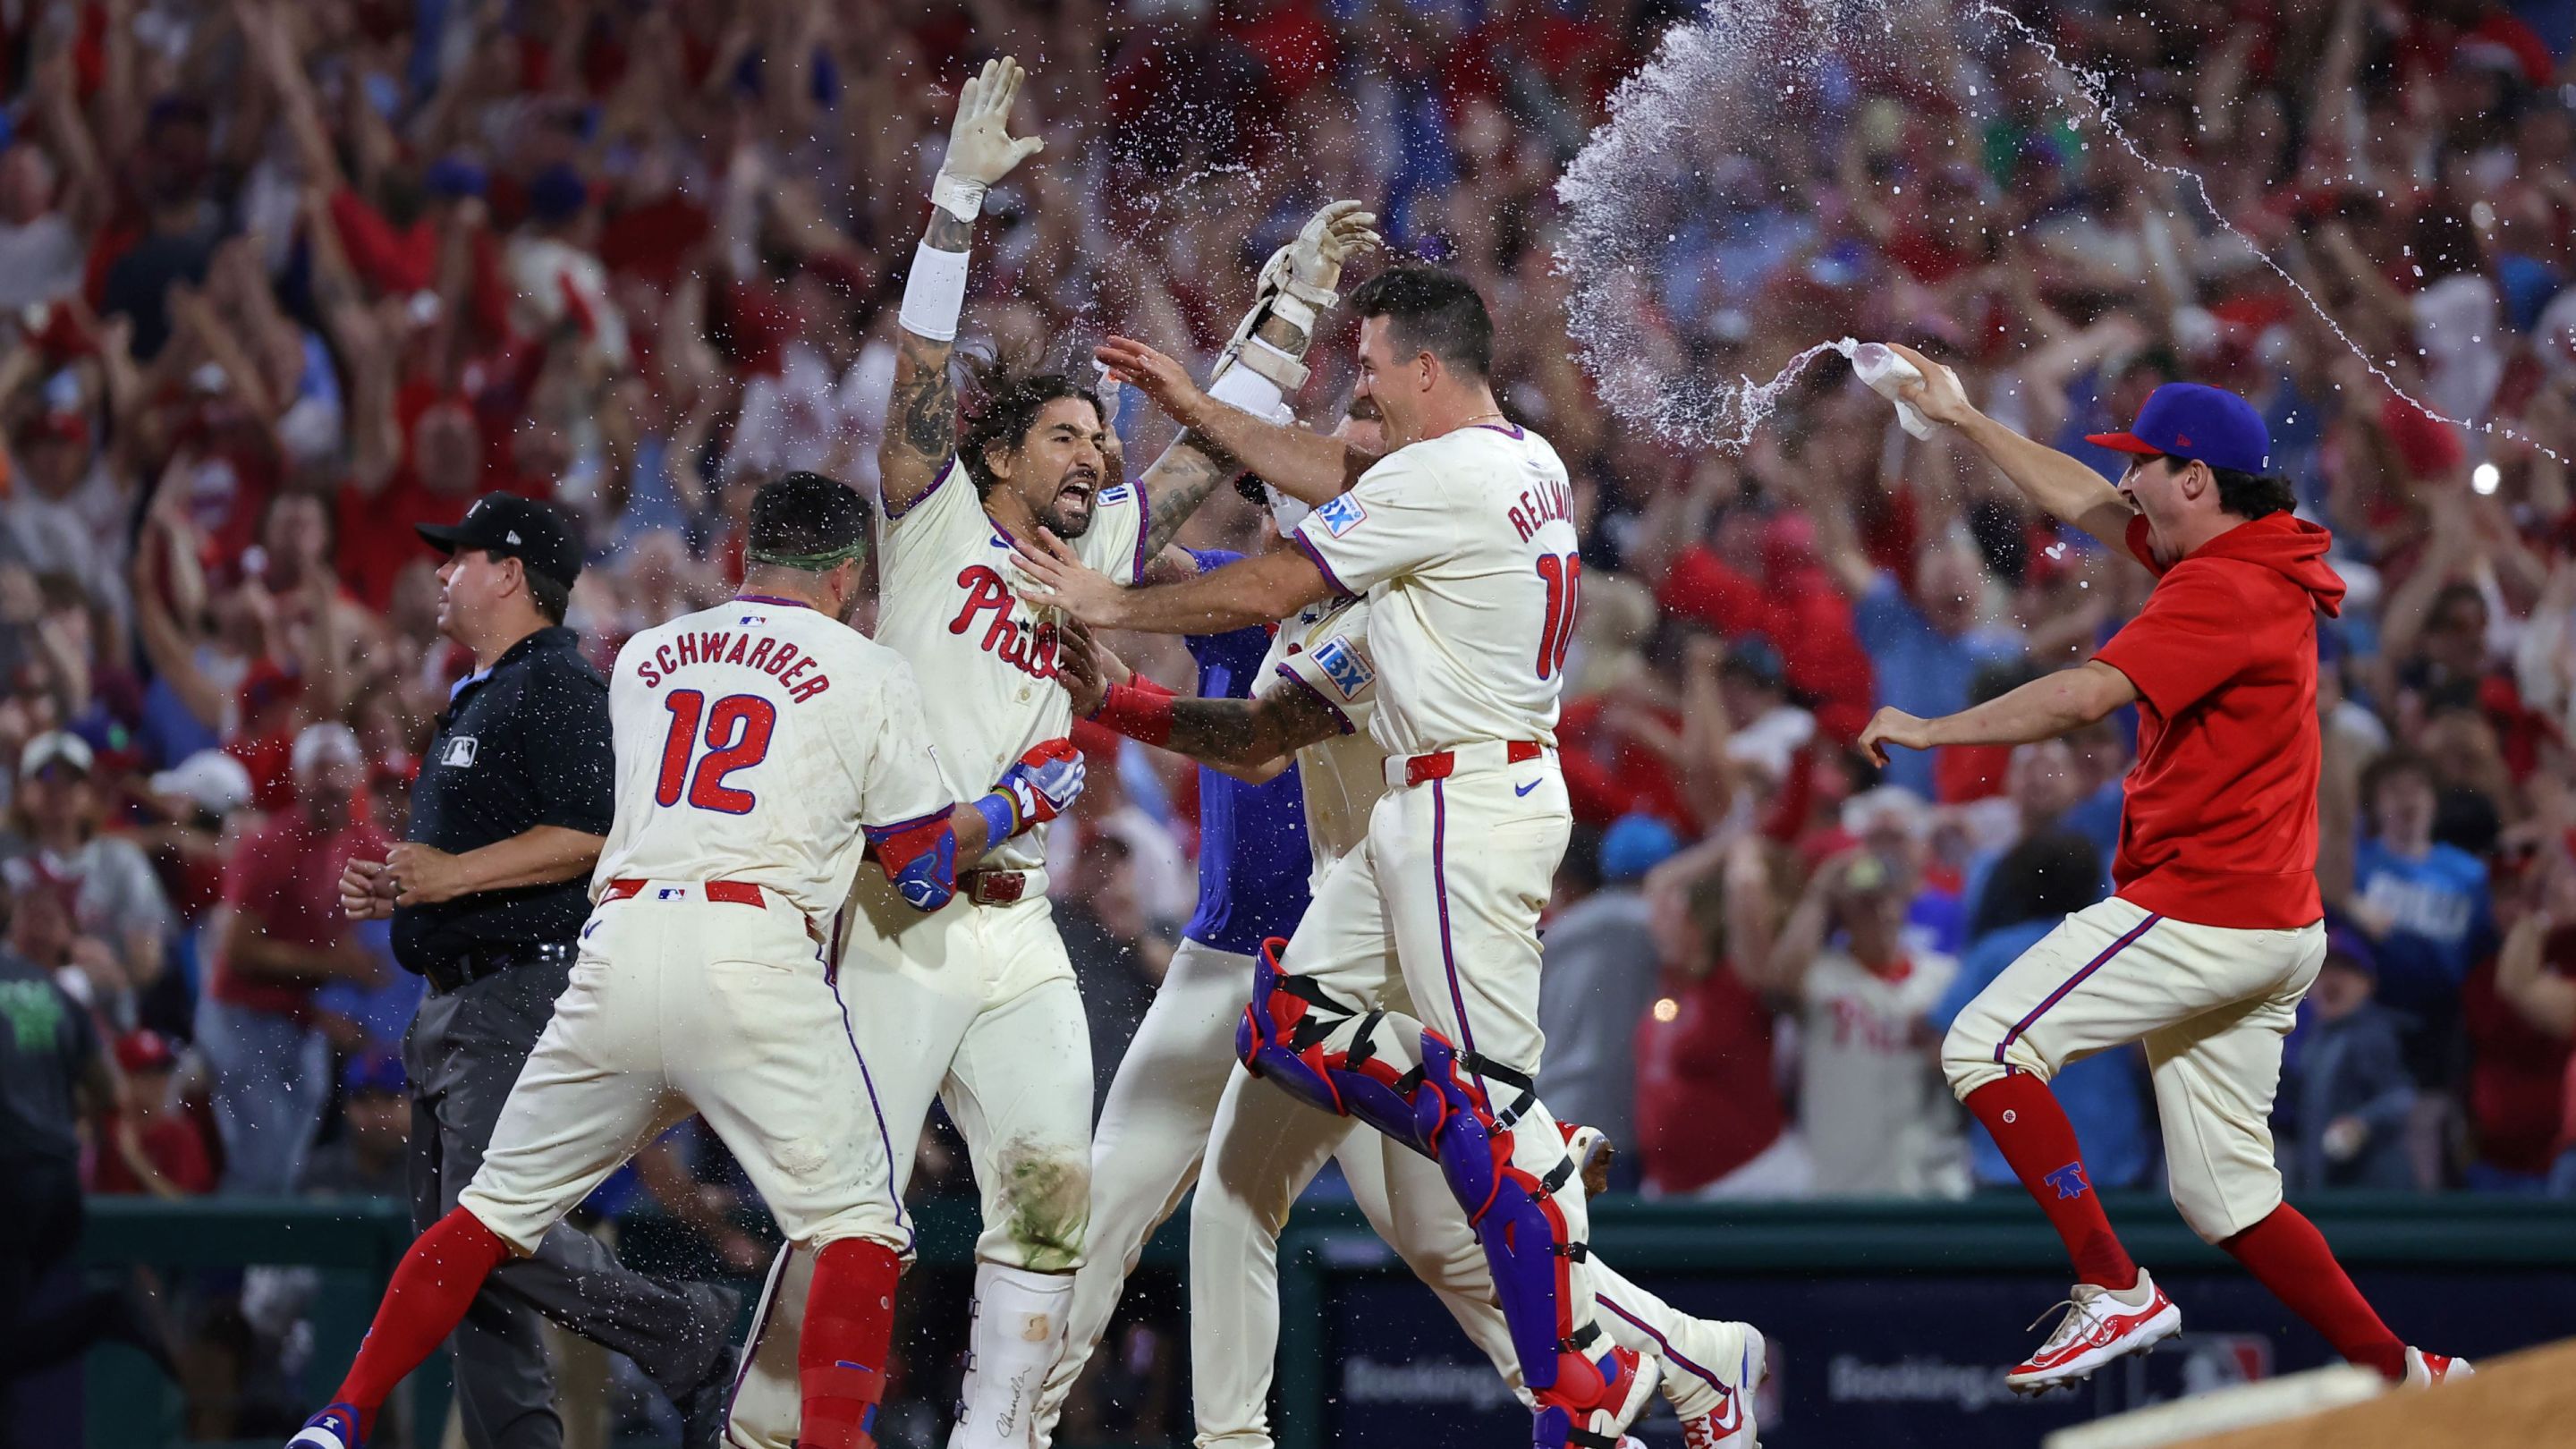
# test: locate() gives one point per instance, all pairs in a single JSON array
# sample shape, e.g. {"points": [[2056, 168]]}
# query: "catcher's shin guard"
{"points": [[1281, 1040], [1514, 1213]]}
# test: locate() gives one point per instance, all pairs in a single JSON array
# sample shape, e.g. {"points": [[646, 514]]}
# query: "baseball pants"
{"points": [[975, 1005], [463, 1052], [2212, 1005]]}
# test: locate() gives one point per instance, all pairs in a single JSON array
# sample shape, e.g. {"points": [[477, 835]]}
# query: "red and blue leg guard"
{"points": [[1282, 1041], [1514, 1213]]}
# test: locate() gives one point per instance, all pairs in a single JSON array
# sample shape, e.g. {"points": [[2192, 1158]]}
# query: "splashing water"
{"points": [[1642, 184]]}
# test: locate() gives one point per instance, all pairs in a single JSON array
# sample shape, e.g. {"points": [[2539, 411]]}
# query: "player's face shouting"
{"points": [[1060, 466], [2154, 487]]}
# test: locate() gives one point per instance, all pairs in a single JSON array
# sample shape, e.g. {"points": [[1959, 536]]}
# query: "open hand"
{"points": [[1892, 726], [981, 149], [1060, 580], [1155, 375], [1085, 668], [1331, 237]]}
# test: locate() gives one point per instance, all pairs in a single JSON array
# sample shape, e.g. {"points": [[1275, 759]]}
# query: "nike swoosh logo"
{"points": [[1525, 789], [1728, 1418]]}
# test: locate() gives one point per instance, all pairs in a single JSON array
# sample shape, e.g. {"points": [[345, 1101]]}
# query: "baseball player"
{"points": [[1177, 1101], [1463, 540], [2215, 929], [978, 1004], [757, 743]]}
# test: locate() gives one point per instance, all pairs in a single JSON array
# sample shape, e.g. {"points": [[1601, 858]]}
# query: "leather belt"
{"points": [[1441, 764], [459, 971], [722, 892], [994, 887]]}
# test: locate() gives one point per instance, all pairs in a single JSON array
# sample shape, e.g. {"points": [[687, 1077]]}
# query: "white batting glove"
{"points": [[1331, 237], [981, 150]]}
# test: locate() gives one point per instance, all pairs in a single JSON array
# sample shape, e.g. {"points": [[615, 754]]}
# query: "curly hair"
{"points": [[1004, 405]]}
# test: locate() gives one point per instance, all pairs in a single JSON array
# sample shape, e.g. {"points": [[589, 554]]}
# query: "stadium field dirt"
{"points": [[2528, 1398]]}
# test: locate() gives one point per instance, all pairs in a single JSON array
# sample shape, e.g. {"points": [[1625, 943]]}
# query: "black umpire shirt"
{"points": [[523, 745]]}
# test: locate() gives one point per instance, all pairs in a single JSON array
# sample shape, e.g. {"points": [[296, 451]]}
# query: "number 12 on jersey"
{"points": [[1563, 575], [737, 737]]}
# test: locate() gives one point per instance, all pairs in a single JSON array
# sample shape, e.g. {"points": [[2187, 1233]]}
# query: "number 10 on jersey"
{"points": [[1563, 575]]}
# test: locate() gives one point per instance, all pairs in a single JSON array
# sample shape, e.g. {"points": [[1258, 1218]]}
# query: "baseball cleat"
{"points": [[2424, 1370], [334, 1428], [1711, 1368], [2096, 1329], [1594, 1401]]}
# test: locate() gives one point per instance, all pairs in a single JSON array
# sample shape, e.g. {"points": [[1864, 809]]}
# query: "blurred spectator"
{"points": [[167, 1155], [2031, 888], [1709, 1117], [1598, 975], [280, 935], [366, 1158], [1117, 955], [2422, 905], [1875, 1115], [2348, 1090], [120, 918]]}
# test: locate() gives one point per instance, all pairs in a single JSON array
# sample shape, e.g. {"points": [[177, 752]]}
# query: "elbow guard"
{"points": [[920, 858]]}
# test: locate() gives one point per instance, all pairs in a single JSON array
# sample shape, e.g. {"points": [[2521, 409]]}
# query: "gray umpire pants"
{"points": [[463, 1054]]}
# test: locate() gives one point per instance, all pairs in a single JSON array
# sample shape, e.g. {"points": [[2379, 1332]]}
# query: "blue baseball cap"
{"points": [[1634, 845], [373, 1071], [2193, 420]]}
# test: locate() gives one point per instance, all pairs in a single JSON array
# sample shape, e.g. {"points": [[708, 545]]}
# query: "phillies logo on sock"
{"points": [[2069, 1180]]}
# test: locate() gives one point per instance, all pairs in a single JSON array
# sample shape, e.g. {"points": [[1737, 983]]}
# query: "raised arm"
{"points": [[2063, 486], [1257, 590], [921, 415], [1263, 364], [1304, 465]]}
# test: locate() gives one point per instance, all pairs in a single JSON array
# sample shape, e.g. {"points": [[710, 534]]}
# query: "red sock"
{"points": [[2023, 1117], [2289, 1256], [841, 1354], [430, 1291]]}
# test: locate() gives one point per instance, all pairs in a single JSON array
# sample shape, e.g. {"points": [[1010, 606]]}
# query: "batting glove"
{"points": [[981, 149], [1042, 786]]}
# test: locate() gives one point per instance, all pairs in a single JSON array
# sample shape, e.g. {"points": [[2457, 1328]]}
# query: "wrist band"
{"points": [[1295, 310], [1243, 387], [934, 294], [959, 197], [1001, 819], [1150, 686], [1136, 713]]}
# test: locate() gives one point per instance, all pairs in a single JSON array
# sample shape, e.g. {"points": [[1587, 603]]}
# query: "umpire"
{"points": [[508, 816]]}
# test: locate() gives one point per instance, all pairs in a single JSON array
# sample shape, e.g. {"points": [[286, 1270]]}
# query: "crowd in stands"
{"points": [[279, 281]]}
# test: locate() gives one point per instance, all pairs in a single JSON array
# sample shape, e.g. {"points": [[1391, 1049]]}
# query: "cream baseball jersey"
{"points": [[755, 740], [950, 604], [1876, 1114], [1465, 546], [1324, 649]]}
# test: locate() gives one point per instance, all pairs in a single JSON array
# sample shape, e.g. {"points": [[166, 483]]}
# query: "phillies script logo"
{"points": [[1026, 647]]}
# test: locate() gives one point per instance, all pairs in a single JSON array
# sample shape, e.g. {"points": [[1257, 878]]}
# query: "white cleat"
{"points": [[1711, 1369], [2096, 1329], [2424, 1370]]}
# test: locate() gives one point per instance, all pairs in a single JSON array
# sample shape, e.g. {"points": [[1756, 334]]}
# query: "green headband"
{"points": [[809, 562]]}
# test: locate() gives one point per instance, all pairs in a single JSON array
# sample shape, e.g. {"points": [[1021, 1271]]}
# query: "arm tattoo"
{"points": [[1251, 732], [1175, 486], [923, 409], [946, 233]]}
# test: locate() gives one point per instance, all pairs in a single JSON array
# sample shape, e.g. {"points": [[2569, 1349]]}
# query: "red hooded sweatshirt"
{"points": [[2220, 828]]}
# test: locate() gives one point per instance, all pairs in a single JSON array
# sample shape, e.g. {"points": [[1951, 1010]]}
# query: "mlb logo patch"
{"points": [[1342, 514], [459, 752], [1343, 665]]}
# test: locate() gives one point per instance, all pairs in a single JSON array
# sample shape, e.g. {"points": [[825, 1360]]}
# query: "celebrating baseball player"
{"points": [[759, 744], [1178, 1113], [977, 1004], [2215, 931], [1462, 539]]}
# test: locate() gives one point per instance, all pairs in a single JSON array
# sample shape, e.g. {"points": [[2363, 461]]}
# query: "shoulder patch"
{"points": [[1340, 514], [1117, 493], [1342, 664]]}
